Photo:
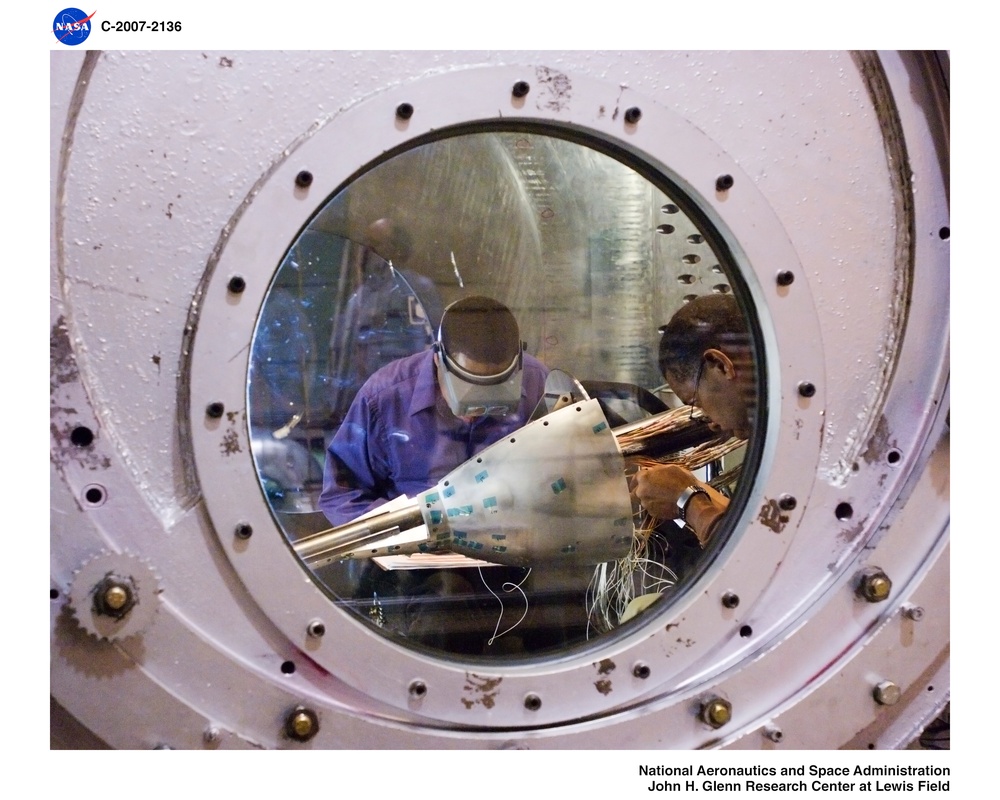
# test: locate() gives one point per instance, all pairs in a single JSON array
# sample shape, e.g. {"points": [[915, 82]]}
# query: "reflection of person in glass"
{"points": [[419, 417], [392, 313], [705, 357]]}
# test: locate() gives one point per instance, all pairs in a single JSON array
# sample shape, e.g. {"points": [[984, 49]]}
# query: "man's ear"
{"points": [[718, 360]]}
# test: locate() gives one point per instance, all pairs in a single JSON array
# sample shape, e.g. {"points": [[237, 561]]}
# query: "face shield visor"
{"points": [[472, 395], [479, 358]]}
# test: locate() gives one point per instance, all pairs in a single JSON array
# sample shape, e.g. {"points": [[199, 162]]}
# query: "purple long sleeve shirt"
{"points": [[399, 436]]}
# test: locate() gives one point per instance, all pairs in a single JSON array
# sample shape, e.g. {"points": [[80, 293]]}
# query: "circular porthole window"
{"points": [[501, 522]]}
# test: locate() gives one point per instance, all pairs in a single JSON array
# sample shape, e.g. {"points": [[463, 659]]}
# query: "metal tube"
{"points": [[344, 539]]}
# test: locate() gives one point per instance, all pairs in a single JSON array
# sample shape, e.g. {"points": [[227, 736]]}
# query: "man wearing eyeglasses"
{"points": [[705, 357]]}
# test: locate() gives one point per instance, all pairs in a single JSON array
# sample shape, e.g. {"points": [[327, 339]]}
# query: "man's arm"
{"points": [[350, 483], [658, 489]]}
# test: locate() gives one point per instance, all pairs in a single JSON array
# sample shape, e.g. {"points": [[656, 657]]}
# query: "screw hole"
{"points": [[215, 410], [53, 594], [633, 115], [237, 284], [304, 179], [520, 89], [532, 702], [288, 667], [730, 600], [746, 631], [844, 511], [404, 111], [82, 436], [94, 495], [724, 183], [945, 233], [893, 456], [243, 530], [417, 689], [806, 389]]}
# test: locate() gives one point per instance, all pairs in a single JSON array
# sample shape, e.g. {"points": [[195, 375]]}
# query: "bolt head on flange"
{"points": [[716, 712], [114, 595], [874, 585], [301, 724]]}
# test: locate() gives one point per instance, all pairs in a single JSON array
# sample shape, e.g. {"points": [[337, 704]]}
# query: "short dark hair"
{"points": [[711, 321], [480, 328]]}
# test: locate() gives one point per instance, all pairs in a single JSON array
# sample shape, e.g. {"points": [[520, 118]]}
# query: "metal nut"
{"points": [[716, 712], [874, 585], [301, 724], [887, 693]]}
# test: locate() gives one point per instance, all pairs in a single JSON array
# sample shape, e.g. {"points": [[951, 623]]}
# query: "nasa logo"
{"points": [[71, 26]]}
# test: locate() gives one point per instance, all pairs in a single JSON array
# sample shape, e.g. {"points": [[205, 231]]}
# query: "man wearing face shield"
{"points": [[414, 421], [417, 418], [705, 357]]}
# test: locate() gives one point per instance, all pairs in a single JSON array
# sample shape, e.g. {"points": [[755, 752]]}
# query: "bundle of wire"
{"points": [[616, 587]]}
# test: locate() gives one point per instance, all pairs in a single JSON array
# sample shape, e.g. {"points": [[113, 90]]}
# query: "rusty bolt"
{"points": [[716, 712], [520, 89], [304, 179], [874, 585], [301, 724], [886, 693], [114, 596], [633, 115]]}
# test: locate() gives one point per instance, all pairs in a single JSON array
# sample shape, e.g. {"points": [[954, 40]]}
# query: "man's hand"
{"points": [[658, 488]]}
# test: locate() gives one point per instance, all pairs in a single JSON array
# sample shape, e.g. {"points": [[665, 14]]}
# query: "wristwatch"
{"points": [[685, 497]]}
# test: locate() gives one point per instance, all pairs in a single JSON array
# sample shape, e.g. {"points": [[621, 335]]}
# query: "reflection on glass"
{"points": [[577, 246]]}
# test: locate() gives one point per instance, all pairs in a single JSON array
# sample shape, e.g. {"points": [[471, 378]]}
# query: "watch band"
{"points": [[685, 498]]}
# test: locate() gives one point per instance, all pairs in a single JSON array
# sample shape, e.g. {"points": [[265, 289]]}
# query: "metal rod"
{"points": [[345, 539]]}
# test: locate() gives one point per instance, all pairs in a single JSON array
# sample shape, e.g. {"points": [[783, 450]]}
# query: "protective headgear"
{"points": [[479, 358]]}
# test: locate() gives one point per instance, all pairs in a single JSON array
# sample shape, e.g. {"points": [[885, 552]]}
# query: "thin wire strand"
{"points": [[508, 586]]}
